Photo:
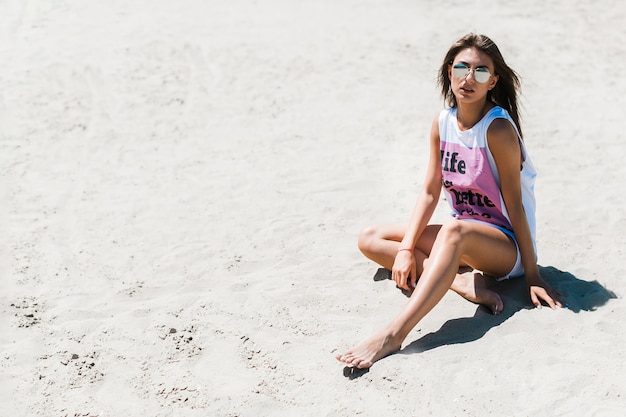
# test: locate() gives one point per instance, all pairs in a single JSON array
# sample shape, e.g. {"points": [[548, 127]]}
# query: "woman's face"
{"points": [[471, 75]]}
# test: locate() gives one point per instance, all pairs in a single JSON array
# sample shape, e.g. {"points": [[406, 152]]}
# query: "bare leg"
{"points": [[381, 243], [457, 243]]}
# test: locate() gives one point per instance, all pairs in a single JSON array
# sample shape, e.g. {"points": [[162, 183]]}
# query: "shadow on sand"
{"points": [[579, 295]]}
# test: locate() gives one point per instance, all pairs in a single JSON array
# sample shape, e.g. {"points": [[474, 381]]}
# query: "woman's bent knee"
{"points": [[452, 232], [367, 237]]}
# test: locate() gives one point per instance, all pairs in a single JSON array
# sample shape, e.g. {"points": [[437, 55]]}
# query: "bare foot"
{"points": [[369, 351], [473, 287]]}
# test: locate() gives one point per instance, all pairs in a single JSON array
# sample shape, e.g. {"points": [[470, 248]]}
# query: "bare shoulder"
{"points": [[502, 127], [502, 135]]}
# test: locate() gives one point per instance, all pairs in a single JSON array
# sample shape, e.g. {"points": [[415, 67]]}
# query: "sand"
{"points": [[182, 185]]}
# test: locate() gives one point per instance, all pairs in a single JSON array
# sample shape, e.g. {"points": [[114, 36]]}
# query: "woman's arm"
{"points": [[505, 148], [404, 271]]}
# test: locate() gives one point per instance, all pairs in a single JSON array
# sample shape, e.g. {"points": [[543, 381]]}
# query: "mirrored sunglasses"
{"points": [[481, 74]]}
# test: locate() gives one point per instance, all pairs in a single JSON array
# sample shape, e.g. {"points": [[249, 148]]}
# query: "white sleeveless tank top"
{"points": [[470, 177]]}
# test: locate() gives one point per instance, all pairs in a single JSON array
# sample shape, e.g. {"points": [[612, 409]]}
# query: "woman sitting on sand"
{"points": [[477, 154]]}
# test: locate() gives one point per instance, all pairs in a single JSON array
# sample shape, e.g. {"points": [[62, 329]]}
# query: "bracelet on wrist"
{"points": [[409, 249]]}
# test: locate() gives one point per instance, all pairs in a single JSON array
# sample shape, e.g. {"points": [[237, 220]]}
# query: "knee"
{"points": [[453, 233], [367, 237]]}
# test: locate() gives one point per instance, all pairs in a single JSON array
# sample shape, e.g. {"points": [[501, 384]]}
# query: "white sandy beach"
{"points": [[182, 185]]}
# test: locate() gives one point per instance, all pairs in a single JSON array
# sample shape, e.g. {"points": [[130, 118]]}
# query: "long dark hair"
{"points": [[504, 94]]}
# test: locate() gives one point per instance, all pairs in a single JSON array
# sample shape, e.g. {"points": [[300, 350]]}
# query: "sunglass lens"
{"points": [[481, 75], [460, 71]]}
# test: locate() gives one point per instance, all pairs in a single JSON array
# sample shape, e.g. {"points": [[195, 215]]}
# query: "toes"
{"points": [[356, 363], [359, 363], [364, 365], [348, 359], [343, 358], [353, 362]]}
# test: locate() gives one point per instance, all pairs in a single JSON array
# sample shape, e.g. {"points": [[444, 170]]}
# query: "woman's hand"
{"points": [[404, 271], [541, 291]]}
